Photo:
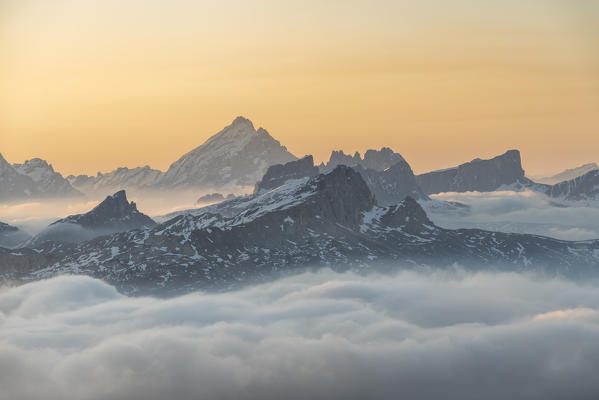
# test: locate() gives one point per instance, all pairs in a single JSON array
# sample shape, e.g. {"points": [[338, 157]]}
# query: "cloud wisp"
{"points": [[315, 335]]}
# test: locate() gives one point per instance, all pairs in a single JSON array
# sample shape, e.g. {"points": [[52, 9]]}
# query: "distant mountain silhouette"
{"points": [[103, 183], [477, 175], [114, 214], [567, 174], [237, 155], [327, 220], [34, 179]]}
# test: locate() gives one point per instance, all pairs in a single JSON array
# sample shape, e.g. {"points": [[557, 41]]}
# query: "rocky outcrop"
{"points": [[393, 184], [278, 174], [389, 186], [377, 160], [114, 214], [476, 175]]}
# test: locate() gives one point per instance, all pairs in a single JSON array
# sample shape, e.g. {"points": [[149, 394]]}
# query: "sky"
{"points": [[94, 85]]}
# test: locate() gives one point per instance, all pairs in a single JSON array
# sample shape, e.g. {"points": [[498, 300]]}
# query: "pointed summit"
{"points": [[114, 214], [240, 120], [49, 182], [238, 155]]}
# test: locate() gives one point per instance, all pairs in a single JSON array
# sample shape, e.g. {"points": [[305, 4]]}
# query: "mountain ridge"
{"points": [[328, 220]]}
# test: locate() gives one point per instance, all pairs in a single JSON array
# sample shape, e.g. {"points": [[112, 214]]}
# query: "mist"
{"points": [[445, 334], [521, 212], [34, 216]]}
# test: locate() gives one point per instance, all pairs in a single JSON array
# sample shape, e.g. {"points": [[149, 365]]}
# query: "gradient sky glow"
{"points": [[93, 85]]}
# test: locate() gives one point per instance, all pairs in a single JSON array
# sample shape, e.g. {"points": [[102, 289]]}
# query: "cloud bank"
{"points": [[316, 335], [522, 212]]}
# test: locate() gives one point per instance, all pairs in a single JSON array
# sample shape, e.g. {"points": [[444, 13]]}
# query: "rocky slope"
{"points": [[585, 187], [278, 174], [389, 186], [568, 174], [34, 179], [328, 220], [139, 178], [236, 156], [49, 182], [477, 175], [15, 186], [393, 184], [114, 214]]}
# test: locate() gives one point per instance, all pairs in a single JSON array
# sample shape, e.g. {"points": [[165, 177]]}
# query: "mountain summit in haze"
{"points": [[34, 179], [568, 174], [114, 214], [237, 155], [49, 182]]}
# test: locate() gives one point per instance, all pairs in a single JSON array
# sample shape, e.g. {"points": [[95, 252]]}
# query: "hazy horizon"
{"points": [[92, 86], [325, 158]]}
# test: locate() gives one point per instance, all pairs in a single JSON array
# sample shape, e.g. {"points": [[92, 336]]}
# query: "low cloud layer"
{"points": [[523, 212], [316, 335], [34, 216]]}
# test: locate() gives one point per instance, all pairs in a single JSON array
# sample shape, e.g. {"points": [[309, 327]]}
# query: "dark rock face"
{"points": [[393, 184], [341, 197], [114, 214], [11, 236], [389, 186], [328, 220], [237, 155], [476, 175], [585, 187], [377, 160], [278, 174]]}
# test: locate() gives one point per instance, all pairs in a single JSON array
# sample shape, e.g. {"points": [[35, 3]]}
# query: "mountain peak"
{"points": [[3, 162], [237, 155], [481, 175], [115, 205], [114, 214], [242, 121], [278, 174], [373, 159]]}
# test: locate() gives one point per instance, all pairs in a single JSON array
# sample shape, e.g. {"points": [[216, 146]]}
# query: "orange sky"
{"points": [[93, 85]]}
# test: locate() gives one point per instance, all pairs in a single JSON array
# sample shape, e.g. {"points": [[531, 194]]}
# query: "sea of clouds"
{"points": [[450, 335], [521, 212]]}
